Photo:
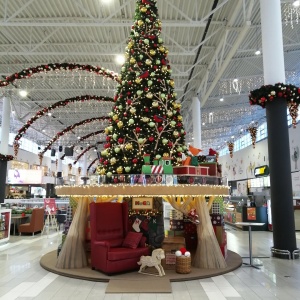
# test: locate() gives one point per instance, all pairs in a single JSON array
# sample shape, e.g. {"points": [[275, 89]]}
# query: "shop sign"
{"points": [[261, 171]]}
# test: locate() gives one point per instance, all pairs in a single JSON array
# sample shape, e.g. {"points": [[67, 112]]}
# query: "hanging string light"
{"points": [[291, 12]]}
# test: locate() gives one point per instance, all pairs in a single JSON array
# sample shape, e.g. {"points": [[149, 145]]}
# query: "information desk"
{"points": [[249, 225]]}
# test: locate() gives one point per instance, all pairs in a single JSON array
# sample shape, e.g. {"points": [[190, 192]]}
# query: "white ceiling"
{"points": [[210, 43]]}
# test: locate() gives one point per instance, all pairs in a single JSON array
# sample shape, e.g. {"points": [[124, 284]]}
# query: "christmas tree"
{"points": [[146, 118]]}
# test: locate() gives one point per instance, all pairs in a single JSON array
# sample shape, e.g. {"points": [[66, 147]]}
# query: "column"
{"points": [[84, 169], [4, 144], [84, 165], [284, 237], [5, 125], [196, 114]]}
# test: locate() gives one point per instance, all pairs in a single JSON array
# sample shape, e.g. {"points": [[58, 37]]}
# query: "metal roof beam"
{"points": [[117, 23]]}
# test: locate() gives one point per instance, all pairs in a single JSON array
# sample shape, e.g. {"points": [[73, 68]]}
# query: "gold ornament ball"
{"points": [[164, 68], [162, 49], [152, 52], [128, 146], [140, 22], [120, 170], [143, 9], [155, 103], [149, 95], [130, 44], [113, 160], [132, 110], [120, 124], [102, 172]]}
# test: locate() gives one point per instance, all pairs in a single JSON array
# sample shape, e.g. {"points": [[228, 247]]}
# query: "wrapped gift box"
{"points": [[176, 214], [176, 224], [202, 171], [172, 244], [191, 241], [174, 233], [190, 228], [167, 262], [217, 219], [184, 170], [170, 258]]}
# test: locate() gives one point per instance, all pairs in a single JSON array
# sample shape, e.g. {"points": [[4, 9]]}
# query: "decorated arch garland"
{"points": [[269, 93], [69, 128], [58, 104], [28, 72], [84, 151], [90, 165]]}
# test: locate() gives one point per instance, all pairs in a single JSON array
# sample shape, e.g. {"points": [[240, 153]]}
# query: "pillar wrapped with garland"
{"points": [[146, 117], [276, 98]]}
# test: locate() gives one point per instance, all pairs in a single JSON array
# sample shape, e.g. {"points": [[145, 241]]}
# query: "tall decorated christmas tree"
{"points": [[146, 119]]}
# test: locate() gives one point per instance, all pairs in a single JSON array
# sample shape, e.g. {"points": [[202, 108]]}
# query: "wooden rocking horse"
{"points": [[153, 261]]}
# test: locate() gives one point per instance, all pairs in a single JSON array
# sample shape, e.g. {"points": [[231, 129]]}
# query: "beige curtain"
{"points": [[73, 252], [208, 254]]}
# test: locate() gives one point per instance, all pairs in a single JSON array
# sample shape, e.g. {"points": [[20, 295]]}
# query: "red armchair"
{"points": [[114, 249]]}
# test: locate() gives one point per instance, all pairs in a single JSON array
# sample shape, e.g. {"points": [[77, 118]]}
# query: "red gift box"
{"points": [[202, 171], [191, 241], [189, 228], [184, 170]]}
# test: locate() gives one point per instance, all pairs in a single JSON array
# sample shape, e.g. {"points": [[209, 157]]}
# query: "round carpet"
{"points": [[48, 262]]}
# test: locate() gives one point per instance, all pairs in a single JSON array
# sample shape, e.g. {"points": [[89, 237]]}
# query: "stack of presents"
{"points": [[217, 219], [183, 233]]}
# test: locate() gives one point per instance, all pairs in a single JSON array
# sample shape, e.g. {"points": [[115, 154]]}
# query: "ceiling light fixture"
{"points": [[23, 93], [49, 114], [257, 52], [221, 99], [296, 3], [120, 59]]}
